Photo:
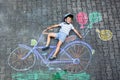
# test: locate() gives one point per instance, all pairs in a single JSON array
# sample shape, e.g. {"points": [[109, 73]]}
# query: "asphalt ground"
{"points": [[23, 20]]}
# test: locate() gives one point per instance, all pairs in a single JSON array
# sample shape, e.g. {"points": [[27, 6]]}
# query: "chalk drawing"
{"points": [[50, 75], [94, 17], [104, 35], [82, 19], [73, 54]]}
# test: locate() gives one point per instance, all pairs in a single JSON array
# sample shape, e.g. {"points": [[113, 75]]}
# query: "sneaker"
{"points": [[52, 58], [45, 48]]}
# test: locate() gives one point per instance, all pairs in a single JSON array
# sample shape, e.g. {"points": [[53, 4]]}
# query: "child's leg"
{"points": [[49, 38], [58, 48]]}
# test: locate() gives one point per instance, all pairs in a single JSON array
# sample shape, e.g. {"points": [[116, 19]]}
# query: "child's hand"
{"points": [[44, 31], [48, 28], [81, 37]]}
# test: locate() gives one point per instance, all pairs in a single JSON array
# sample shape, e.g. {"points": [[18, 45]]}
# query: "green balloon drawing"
{"points": [[94, 17]]}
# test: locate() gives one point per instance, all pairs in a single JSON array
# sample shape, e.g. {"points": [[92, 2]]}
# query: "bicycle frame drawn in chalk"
{"points": [[75, 56]]}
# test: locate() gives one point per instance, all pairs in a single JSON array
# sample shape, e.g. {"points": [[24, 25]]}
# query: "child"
{"points": [[66, 27]]}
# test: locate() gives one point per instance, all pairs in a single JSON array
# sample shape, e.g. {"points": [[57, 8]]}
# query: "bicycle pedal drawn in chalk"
{"points": [[75, 56]]}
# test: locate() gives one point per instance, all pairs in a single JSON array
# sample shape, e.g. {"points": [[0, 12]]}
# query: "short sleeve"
{"points": [[72, 26], [60, 24]]}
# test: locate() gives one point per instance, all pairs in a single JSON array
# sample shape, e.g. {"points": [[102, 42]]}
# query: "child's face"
{"points": [[68, 20]]}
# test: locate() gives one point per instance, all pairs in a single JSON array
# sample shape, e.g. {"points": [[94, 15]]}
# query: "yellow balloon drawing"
{"points": [[104, 35]]}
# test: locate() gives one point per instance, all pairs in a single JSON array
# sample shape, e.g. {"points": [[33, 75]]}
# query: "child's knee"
{"points": [[59, 44], [49, 35]]}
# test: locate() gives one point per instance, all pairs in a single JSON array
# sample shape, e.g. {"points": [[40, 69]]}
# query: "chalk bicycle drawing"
{"points": [[75, 56]]}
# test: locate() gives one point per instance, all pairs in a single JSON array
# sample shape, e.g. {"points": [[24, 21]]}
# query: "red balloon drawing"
{"points": [[82, 18]]}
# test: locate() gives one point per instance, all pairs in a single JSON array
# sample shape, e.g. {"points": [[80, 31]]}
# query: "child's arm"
{"points": [[53, 26], [50, 27], [80, 36]]}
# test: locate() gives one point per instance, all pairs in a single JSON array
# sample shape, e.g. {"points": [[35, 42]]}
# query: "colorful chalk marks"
{"points": [[50, 75], [94, 17], [82, 19], [33, 42], [104, 35]]}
